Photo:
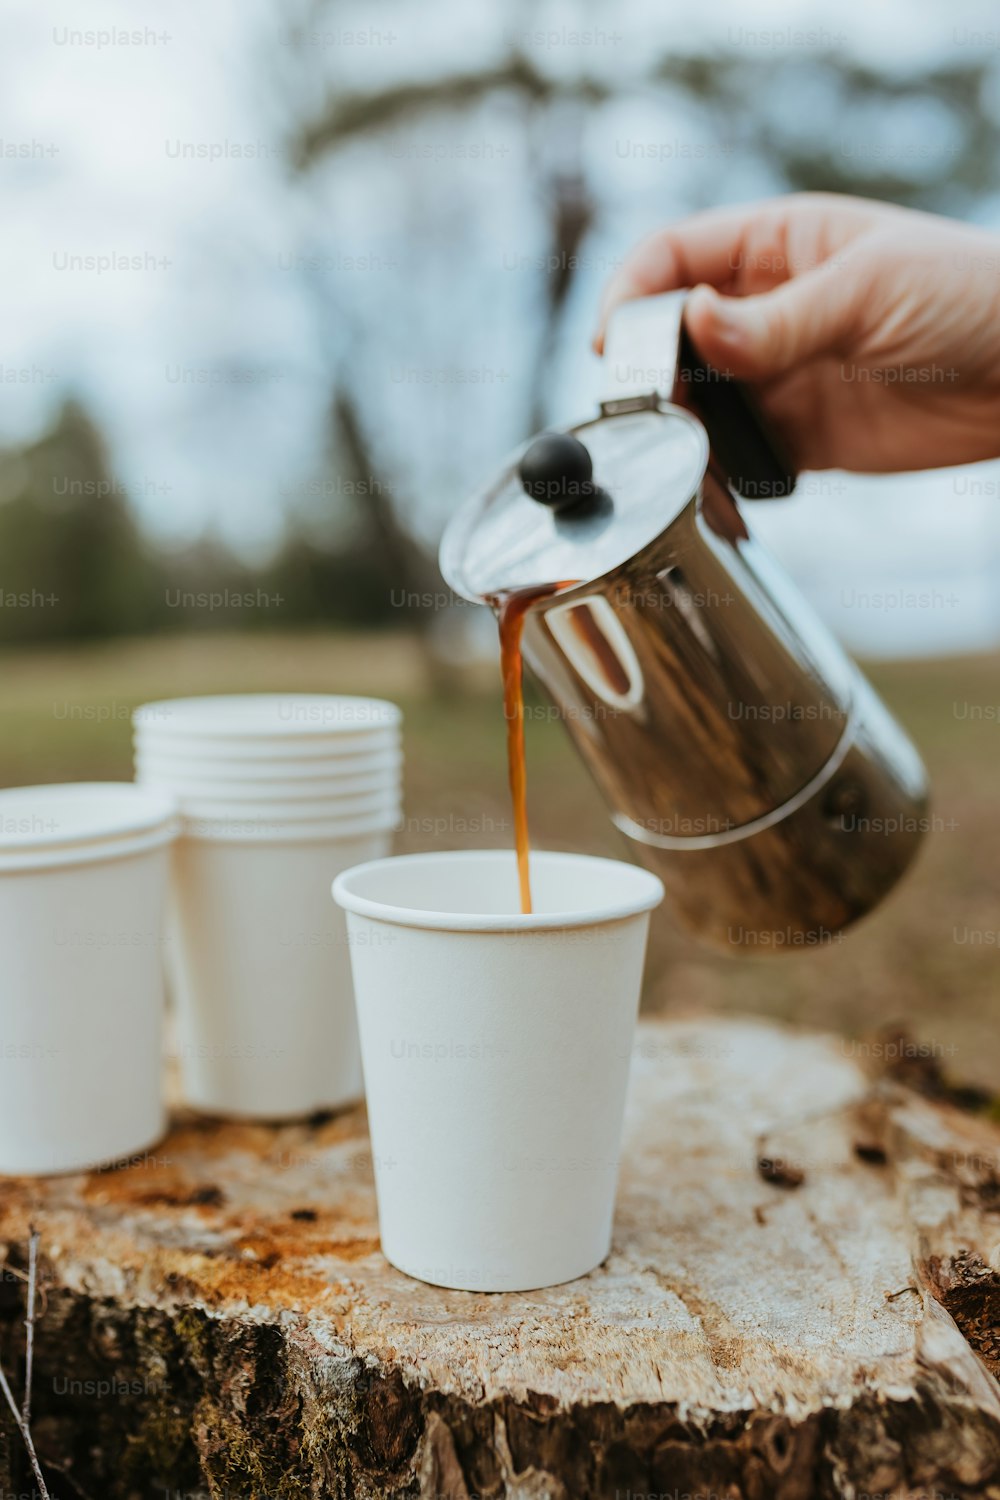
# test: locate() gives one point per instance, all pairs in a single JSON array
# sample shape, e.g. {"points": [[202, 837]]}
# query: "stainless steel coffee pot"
{"points": [[743, 755]]}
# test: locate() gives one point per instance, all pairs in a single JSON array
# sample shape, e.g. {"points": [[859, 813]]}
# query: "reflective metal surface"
{"points": [[741, 752], [650, 462]]}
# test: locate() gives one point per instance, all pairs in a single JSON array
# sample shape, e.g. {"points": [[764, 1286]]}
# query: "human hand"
{"points": [[871, 333]]}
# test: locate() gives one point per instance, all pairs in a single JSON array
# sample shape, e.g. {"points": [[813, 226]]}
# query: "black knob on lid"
{"points": [[557, 471]]}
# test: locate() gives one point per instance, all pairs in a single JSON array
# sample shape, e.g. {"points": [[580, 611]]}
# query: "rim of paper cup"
{"points": [[334, 810], [300, 785], [225, 771], [269, 752], [273, 791], [101, 851], [262, 715], [81, 812], [646, 893], [278, 831]]}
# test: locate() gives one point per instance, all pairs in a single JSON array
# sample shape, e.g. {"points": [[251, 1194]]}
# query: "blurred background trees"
{"points": [[417, 265]]}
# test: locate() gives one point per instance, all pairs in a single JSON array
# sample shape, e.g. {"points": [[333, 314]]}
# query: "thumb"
{"points": [[757, 337]]}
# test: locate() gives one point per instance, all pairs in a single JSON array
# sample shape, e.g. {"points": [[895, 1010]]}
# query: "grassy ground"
{"points": [[66, 716]]}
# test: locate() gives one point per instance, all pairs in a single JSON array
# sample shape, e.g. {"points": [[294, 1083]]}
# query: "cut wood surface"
{"points": [[802, 1300]]}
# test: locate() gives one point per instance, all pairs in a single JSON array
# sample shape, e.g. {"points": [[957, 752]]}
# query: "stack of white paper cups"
{"points": [[83, 879], [278, 794]]}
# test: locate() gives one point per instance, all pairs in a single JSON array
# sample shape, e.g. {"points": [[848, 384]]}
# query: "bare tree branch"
{"points": [[350, 114], [29, 1324], [26, 1437]]}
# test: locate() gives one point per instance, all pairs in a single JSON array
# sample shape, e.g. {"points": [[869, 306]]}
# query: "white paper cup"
{"points": [[261, 975], [82, 899], [496, 1051]]}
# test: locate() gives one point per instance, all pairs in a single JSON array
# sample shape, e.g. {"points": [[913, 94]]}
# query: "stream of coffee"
{"points": [[511, 607]]}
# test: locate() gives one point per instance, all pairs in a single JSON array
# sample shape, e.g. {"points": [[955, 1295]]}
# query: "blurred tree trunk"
{"points": [[407, 569]]}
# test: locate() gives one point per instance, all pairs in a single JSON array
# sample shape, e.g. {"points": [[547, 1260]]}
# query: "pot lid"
{"points": [[572, 506]]}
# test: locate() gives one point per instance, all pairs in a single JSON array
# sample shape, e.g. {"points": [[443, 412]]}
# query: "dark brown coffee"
{"points": [[511, 607]]}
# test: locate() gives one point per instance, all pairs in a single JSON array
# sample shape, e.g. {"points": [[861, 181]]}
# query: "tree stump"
{"points": [[802, 1301]]}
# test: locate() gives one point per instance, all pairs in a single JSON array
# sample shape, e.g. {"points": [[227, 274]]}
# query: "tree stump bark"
{"points": [[803, 1300]]}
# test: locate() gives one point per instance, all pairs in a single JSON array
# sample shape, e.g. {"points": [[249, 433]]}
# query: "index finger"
{"points": [[705, 247], [714, 246]]}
